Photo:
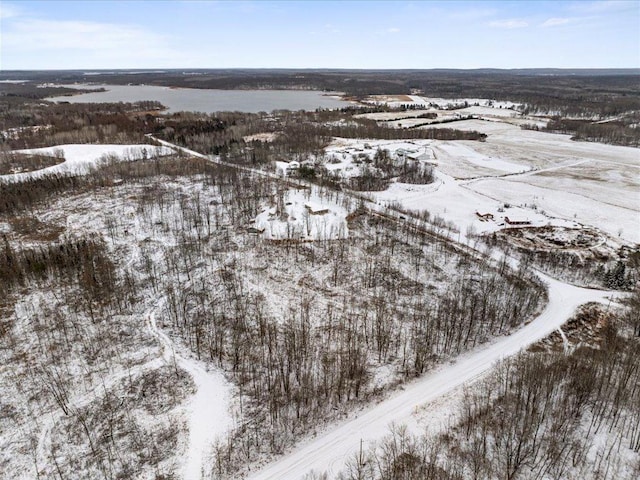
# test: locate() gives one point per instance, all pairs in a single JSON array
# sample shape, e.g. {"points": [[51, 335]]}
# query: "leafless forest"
{"points": [[547, 413], [111, 278], [303, 330]]}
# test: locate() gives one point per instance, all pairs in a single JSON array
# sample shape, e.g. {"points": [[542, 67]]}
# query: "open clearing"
{"points": [[590, 183], [79, 158]]}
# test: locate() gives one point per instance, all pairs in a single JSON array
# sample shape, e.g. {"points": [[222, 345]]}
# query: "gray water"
{"points": [[208, 100]]}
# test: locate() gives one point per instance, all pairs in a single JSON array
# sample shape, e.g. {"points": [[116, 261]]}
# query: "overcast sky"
{"points": [[319, 34]]}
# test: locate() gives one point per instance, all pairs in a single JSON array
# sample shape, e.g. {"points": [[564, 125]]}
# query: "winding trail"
{"points": [[207, 411], [329, 452]]}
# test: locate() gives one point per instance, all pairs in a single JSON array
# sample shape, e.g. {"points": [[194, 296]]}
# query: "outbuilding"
{"points": [[518, 221]]}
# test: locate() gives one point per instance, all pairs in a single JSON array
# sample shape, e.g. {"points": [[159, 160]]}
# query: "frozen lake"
{"points": [[208, 100]]}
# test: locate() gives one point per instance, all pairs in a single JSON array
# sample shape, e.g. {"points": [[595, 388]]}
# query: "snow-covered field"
{"points": [[465, 154], [591, 183], [454, 203], [80, 157], [545, 174], [614, 220]]}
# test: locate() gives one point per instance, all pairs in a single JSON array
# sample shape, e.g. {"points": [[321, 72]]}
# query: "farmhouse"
{"points": [[285, 169]]}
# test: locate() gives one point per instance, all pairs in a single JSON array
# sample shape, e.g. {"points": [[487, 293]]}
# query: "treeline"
{"points": [[574, 91], [16, 94], [28, 194], [296, 135], [609, 133], [212, 134], [23, 195], [548, 414], [359, 83], [614, 132], [11, 162], [42, 125], [83, 260], [587, 269], [590, 268], [568, 93], [373, 130], [600, 104]]}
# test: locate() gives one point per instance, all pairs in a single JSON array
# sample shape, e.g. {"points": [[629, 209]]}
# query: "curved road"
{"points": [[329, 452]]}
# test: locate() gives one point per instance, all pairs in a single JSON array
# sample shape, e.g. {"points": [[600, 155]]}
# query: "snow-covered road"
{"points": [[329, 452]]}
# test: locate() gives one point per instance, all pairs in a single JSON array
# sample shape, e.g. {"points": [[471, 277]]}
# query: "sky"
{"points": [[38, 35]]}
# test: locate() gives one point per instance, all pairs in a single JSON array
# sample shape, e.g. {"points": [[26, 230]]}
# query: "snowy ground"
{"points": [[547, 179], [454, 203], [591, 183], [329, 452], [207, 411], [545, 173], [449, 198], [80, 157], [464, 153], [346, 157], [303, 215], [615, 220]]}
